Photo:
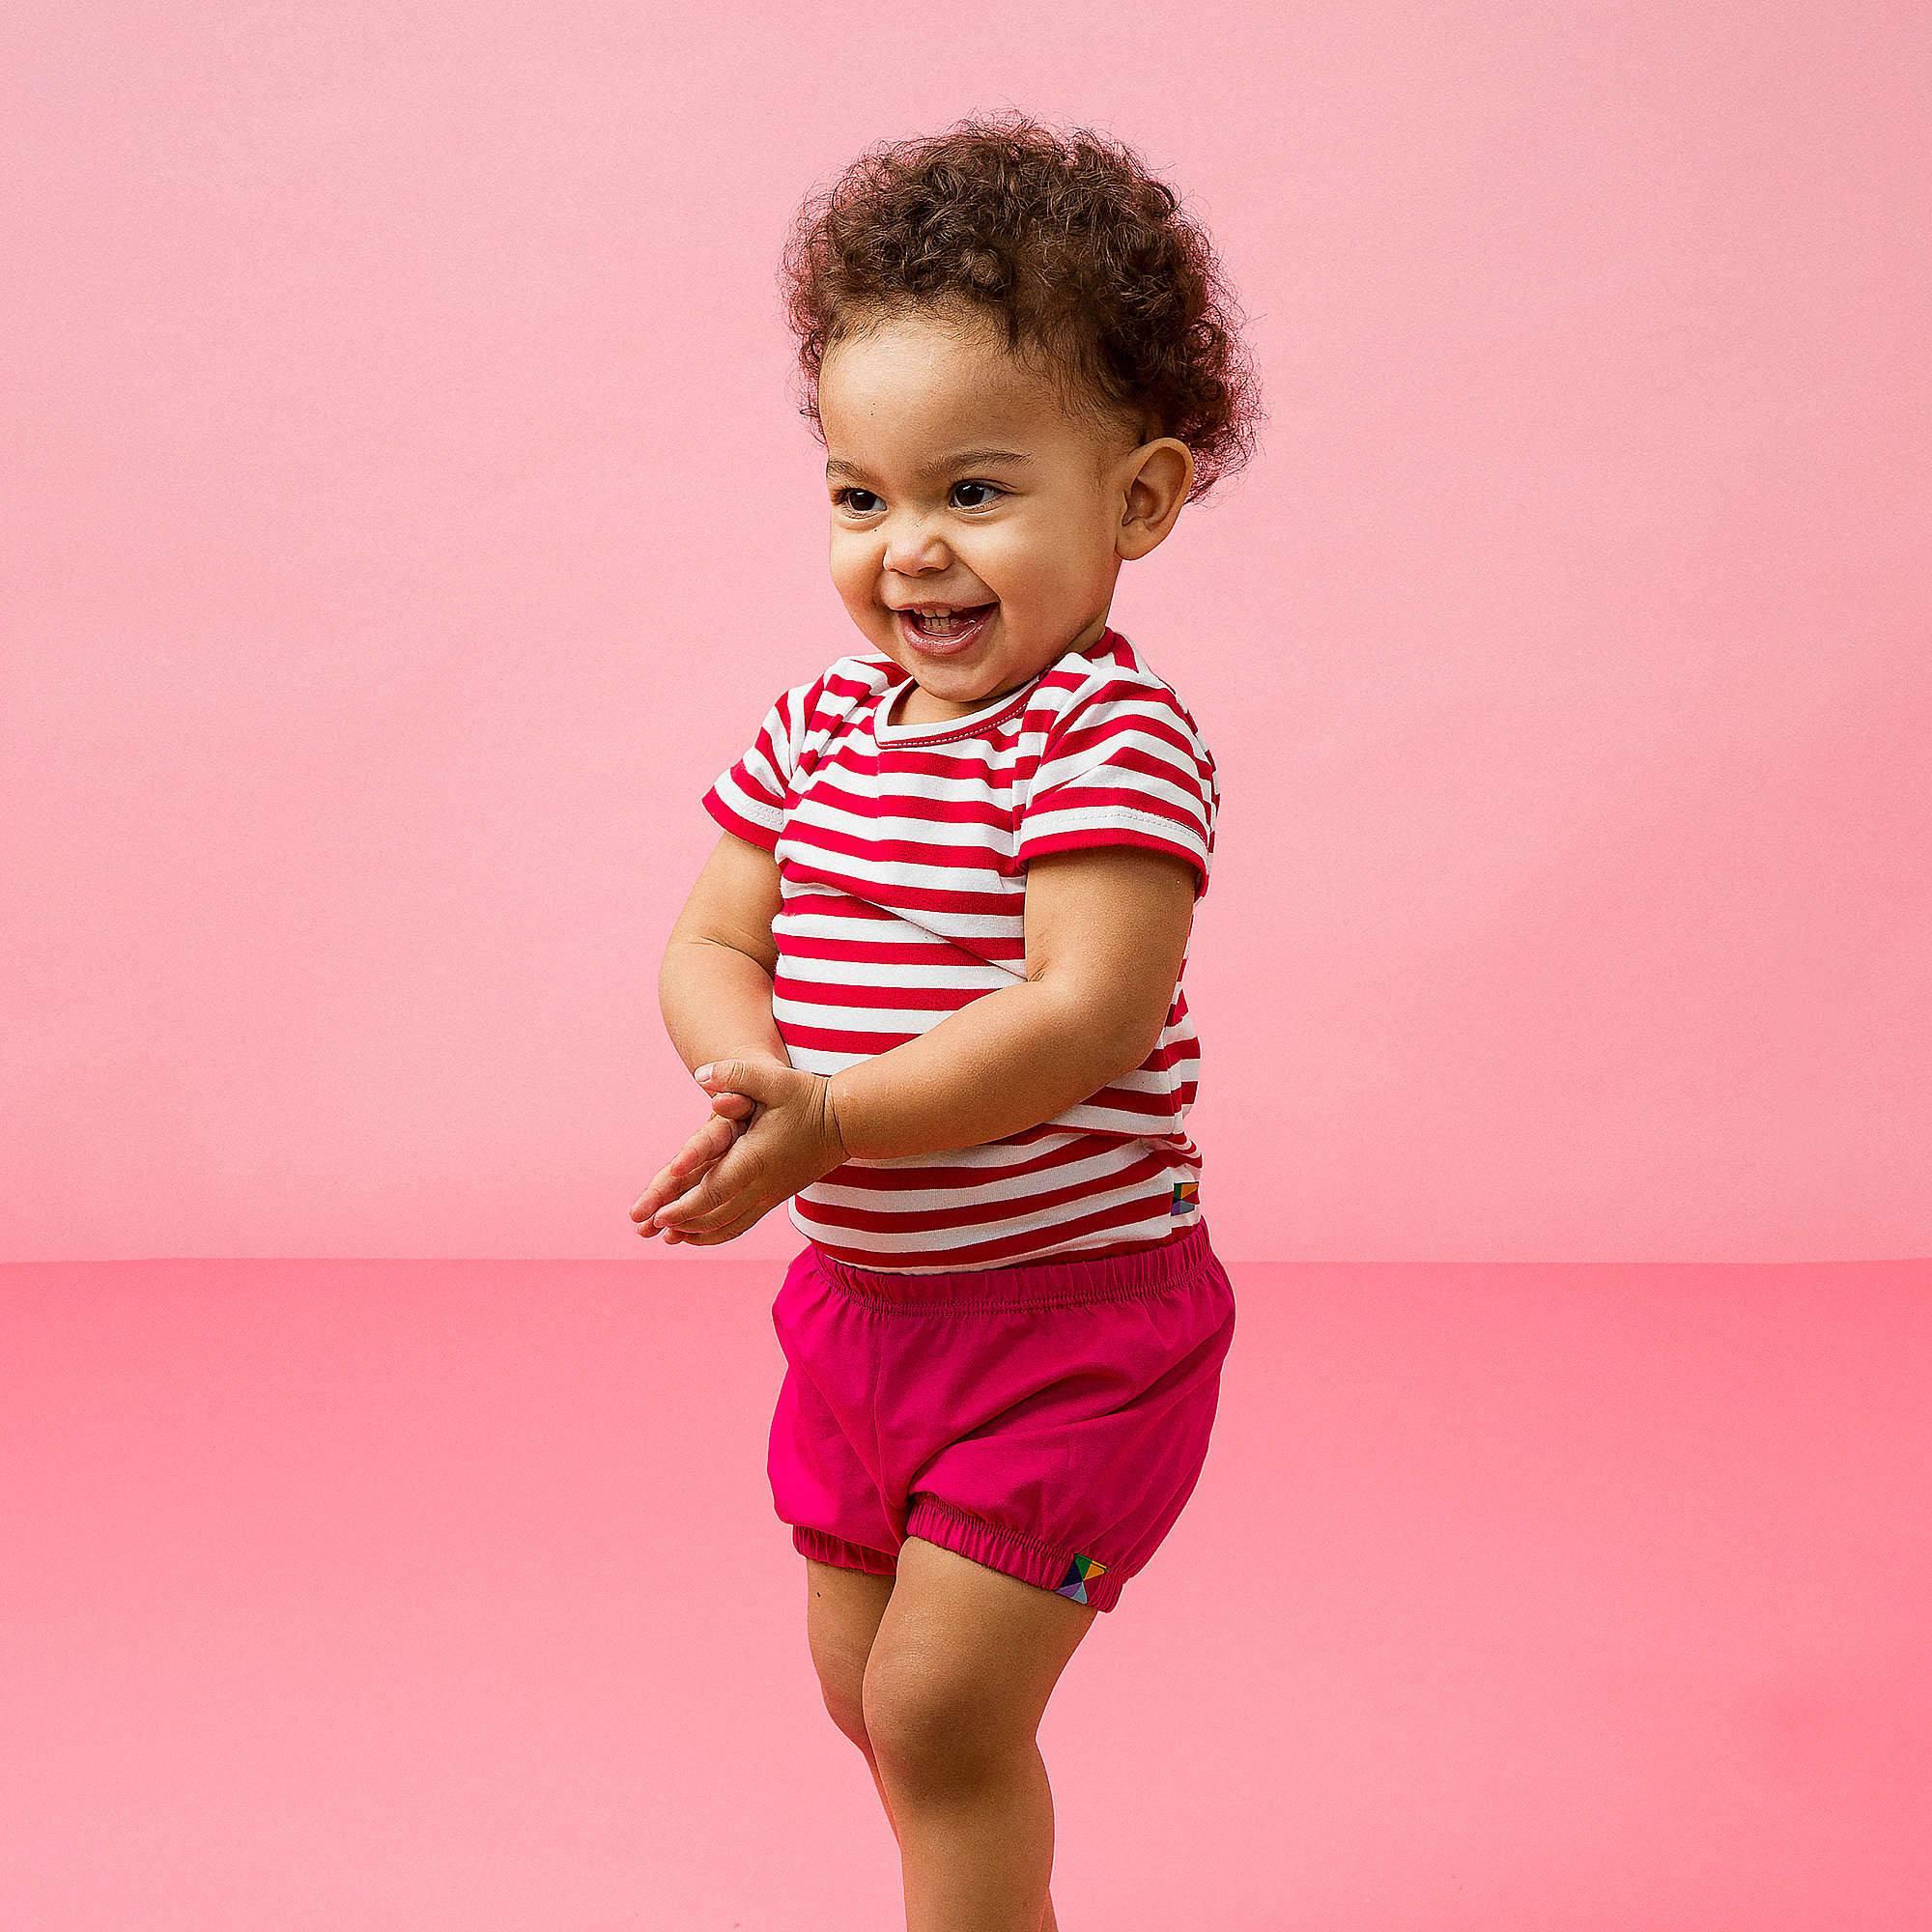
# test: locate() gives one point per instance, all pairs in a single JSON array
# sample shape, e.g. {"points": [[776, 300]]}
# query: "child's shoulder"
{"points": [[858, 676], [828, 696], [1112, 678]]}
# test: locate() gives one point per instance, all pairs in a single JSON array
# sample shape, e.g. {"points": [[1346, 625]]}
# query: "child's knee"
{"points": [[845, 1609], [846, 1710]]}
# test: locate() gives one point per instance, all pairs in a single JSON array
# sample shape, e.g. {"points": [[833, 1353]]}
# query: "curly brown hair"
{"points": [[1067, 243]]}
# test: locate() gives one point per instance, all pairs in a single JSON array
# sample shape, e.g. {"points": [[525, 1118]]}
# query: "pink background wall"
{"points": [[410, 517]]}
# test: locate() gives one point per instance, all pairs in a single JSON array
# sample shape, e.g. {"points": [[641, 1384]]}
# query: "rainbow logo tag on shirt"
{"points": [[1074, 1583], [1187, 1195]]}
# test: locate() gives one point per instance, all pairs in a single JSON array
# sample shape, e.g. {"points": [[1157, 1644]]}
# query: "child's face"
{"points": [[1040, 534]]}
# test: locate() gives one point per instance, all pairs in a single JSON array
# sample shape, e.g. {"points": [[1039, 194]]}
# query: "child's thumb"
{"points": [[752, 1077]]}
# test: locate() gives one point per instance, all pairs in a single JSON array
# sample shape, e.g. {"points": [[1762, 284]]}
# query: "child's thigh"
{"points": [[842, 1612]]}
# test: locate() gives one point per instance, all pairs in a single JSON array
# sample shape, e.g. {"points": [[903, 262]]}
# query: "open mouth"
{"points": [[946, 636]]}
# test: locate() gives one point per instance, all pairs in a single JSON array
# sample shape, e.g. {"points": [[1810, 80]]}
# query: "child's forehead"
{"points": [[961, 380], [924, 400]]}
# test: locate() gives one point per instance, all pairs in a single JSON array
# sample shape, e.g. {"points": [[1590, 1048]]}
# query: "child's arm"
{"points": [[715, 982], [1106, 929]]}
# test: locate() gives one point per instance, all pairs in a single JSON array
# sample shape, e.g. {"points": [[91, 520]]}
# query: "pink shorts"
{"points": [[1049, 1420]]}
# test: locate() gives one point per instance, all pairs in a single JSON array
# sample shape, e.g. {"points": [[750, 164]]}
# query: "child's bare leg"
{"points": [[842, 1617], [1048, 1923], [879, 1783], [960, 1669]]}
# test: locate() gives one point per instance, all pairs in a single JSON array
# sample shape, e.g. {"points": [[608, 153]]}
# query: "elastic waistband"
{"points": [[1062, 1279]]}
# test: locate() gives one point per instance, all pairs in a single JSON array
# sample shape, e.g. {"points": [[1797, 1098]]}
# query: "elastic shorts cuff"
{"points": [[824, 1548], [1051, 1566]]}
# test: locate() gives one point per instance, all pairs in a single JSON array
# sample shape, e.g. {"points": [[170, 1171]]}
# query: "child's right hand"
{"points": [[731, 1114]]}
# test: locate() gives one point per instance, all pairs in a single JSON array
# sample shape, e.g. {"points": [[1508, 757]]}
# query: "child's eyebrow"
{"points": [[837, 466]]}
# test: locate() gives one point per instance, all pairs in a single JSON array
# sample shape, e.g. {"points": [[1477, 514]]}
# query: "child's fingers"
{"points": [[725, 1193], [652, 1224], [729, 1233], [687, 1165], [671, 1179], [728, 1119], [699, 1200], [687, 1171]]}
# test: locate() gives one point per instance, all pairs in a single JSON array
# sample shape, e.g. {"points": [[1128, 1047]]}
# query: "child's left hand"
{"points": [[792, 1139]]}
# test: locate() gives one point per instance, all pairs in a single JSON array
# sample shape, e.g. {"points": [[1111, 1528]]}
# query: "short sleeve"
{"points": [[1122, 765], [749, 796]]}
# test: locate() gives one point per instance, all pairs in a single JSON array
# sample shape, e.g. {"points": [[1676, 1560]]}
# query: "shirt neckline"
{"points": [[889, 733]]}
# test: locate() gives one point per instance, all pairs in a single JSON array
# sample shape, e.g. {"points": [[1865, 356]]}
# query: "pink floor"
{"points": [[448, 1596]]}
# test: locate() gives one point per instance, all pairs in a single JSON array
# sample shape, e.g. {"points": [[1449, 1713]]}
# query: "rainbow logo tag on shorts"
{"points": [[1187, 1195], [1074, 1582]]}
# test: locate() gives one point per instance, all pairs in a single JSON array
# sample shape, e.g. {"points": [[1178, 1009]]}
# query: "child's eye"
{"points": [[976, 483], [842, 496]]}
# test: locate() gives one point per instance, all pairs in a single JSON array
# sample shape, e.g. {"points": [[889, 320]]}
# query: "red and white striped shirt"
{"points": [[902, 853]]}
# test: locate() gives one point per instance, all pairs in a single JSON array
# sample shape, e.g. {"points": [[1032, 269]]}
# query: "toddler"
{"points": [[930, 977]]}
